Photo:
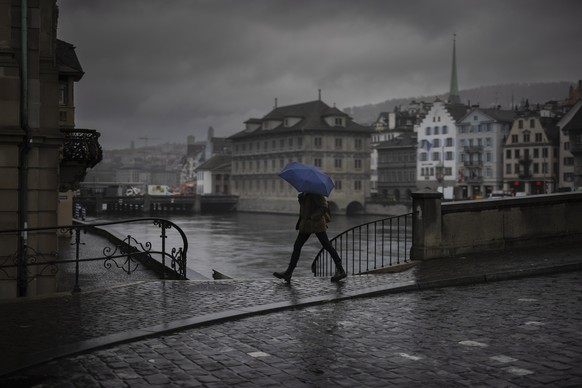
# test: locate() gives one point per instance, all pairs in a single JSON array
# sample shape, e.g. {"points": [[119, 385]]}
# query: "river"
{"points": [[240, 245]]}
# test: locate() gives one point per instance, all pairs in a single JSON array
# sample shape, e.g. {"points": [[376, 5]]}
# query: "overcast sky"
{"points": [[169, 69]]}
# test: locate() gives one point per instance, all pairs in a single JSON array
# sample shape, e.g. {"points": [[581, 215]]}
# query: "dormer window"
{"points": [[339, 122], [286, 123]]}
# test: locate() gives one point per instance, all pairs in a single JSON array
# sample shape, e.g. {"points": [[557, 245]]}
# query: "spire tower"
{"points": [[454, 97]]}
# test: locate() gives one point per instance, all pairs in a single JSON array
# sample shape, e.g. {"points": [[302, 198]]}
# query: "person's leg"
{"points": [[340, 273], [299, 241]]}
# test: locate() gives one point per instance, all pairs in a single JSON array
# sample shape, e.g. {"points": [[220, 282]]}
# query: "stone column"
{"points": [[426, 224]]}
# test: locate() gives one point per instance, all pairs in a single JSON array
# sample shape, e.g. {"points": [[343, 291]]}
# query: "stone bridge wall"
{"points": [[450, 229]]}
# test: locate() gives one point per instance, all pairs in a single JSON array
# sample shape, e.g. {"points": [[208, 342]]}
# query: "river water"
{"points": [[239, 245]]}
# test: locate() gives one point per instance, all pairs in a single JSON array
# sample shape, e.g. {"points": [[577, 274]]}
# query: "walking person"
{"points": [[313, 218]]}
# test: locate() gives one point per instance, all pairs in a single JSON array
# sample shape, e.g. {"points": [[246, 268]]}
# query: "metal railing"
{"points": [[370, 246], [126, 254]]}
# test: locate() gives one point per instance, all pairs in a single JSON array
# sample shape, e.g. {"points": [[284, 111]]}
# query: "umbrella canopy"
{"points": [[307, 178]]}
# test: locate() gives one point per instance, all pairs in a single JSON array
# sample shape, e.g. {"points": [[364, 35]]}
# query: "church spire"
{"points": [[454, 97]]}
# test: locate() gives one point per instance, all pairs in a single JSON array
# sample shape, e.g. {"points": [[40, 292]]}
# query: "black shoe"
{"points": [[283, 275], [339, 275]]}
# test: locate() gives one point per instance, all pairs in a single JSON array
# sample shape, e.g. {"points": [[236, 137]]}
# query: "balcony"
{"points": [[473, 164], [473, 149], [81, 150], [476, 179]]}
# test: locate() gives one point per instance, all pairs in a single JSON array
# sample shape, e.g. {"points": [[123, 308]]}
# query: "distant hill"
{"points": [[485, 96]]}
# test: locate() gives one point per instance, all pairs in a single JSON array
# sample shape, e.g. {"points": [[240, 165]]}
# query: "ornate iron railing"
{"points": [[370, 246], [126, 254]]}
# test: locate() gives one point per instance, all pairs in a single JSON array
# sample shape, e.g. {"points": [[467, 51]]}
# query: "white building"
{"points": [[437, 166], [481, 135]]}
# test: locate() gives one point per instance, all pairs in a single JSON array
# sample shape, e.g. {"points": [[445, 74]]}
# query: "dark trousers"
{"points": [[323, 239]]}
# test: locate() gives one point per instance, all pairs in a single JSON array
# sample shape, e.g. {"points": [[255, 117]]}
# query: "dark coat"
{"points": [[313, 213]]}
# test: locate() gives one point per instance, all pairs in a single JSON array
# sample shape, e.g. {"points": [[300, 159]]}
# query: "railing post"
{"points": [[163, 236], [426, 224], [76, 288]]}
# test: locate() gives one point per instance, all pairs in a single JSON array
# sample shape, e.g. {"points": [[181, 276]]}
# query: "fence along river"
{"points": [[241, 245]]}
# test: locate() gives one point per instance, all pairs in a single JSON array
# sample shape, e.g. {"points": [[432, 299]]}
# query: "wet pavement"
{"points": [[447, 322]]}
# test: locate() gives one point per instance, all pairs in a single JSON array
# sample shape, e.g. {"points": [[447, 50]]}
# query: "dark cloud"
{"points": [[177, 67]]}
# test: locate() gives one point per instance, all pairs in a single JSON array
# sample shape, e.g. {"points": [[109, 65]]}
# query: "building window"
{"points": [[507, 154], [282, 144], [339, 121], [517, 154], [514, 139], [449, 155], [436, 130], [536, 168], [317, 142], [520, 124], [423, 156], [338, 185], [427, 130], [538, 137], [436, 143], [317, 162], [526, 137], [338, 143], [358, 185], [63, 95], [449, 141], [445, 130], [299, 142], [358, 164], [567, 146], [532, 123], [436, 156], [544, 152], [358, 144], [488, 157], [338, 163]]}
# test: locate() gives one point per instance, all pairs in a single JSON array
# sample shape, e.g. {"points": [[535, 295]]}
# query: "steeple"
{"points": [[454, 97]]}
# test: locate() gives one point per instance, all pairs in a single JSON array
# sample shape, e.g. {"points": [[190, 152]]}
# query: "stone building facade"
{"points": [[531, 155], [312, 133], [38, 158]]}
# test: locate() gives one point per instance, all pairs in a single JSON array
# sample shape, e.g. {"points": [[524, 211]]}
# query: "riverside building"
{"points": [[481, 135], [312, 133]]}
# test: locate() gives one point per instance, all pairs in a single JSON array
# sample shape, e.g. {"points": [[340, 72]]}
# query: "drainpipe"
{"points": [[22, 281]]}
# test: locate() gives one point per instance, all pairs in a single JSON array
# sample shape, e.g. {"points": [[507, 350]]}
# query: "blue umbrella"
{"points": [[306, 178]]}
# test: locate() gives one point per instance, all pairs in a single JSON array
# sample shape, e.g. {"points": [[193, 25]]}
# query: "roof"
{"points": [[500, 115], [457, 111], [312, 115], [573, 119], [407, 139], [67, 60], [216, 162]]}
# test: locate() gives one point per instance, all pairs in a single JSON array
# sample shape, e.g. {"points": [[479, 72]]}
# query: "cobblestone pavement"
{"points": [[36, 330], [517, 333]]}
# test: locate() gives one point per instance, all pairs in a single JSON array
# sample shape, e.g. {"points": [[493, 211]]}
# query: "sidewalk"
{"points": [[38, 330]]}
